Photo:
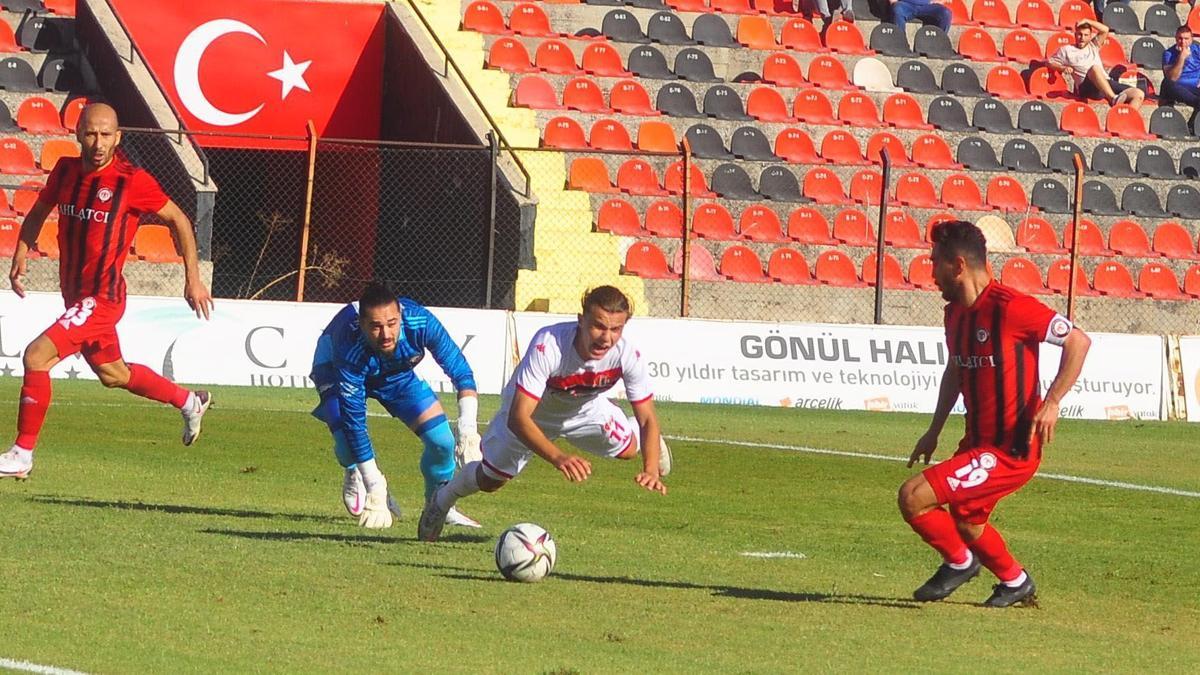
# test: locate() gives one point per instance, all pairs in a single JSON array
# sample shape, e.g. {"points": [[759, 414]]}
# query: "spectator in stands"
{"points": [[1181, 70], [927, 11], [1082, 61], [827, 10]]}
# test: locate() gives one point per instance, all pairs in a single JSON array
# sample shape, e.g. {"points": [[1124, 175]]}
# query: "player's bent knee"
{"points": [[915, 497], [41, 354], [489, 484]]}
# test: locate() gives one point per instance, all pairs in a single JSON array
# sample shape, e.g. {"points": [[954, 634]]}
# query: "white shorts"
{"points": [[601, 428]]}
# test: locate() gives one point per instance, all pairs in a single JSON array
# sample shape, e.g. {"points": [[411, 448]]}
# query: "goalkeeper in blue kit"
{"points": [[370, 349]]}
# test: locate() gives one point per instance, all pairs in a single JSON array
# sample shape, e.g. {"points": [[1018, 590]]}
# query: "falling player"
{"points": [[993, 334], [99, 197], [369, 349], [557, 391]]}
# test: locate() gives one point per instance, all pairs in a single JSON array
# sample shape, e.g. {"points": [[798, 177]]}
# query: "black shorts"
{"points": [[1089, 89]]}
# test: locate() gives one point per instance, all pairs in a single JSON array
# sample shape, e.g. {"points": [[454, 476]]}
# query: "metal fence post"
{"points": [[883, 200], [685, 286], [308, 198], [1075, 236], [494, 150]]}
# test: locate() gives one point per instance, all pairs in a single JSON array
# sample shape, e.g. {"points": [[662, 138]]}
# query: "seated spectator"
{"points": [[1082, 61], [927, 11], [1181, 70], [823, 8]]}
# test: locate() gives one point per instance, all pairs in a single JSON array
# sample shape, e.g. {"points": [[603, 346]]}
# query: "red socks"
{"points": [[149, 384], [35, 401], [994, 555], [937, 528]]}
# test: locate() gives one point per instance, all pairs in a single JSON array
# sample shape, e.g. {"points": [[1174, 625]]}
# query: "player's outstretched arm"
{"points": [[947, 396], [194, 290], [31, 227], [1074, 351], [647, 419], [520, 422]]}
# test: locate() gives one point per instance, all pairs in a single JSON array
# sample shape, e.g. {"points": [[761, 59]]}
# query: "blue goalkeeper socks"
{"points": [[437, 461]]}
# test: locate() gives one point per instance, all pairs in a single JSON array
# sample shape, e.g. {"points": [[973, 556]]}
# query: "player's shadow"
{"points": [[465, 574], [182, 509], [459, 538]]}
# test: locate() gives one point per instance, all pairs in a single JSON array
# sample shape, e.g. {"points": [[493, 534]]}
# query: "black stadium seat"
{"points": [[731, 182], [752, 143], [712, 31], [6, 119], [976, 153], [932, 42], [960, 79], [24, 5], [1121, 19], [1021, 155], [676, 100], [1153, 161], [1189, 163], [779, 184], [647, 4], [666, 28], [990, 115], [1098, 198], [917, 78], [17, 75], [1167, 122], [1147, 53], [1109, 159], [41, 34], [947, 114], [1184, 201], [723, 103], [60, 75], [648, 62], [1050, 196], [706, 142], [693, 65], [1060, 157], [890, 41], [1036, 117], [1139, 199], [1161, 19], [621, 25], [606, 3]]}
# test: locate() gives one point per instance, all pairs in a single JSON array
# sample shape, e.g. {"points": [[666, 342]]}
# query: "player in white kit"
{"points": [[558, 391]]}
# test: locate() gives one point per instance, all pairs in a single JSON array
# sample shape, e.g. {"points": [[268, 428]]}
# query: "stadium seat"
{"points": [[733, 6], [766, 104], [7, 124], [1060, 158], [960, 14], [893, 274], [1080, 120], [1113, 279], [712, 221], [1161, 19], [47, 240], [1036, 117], [931, 152], [1112, 54], [1110, 159], [1050, 196], [749, 142], [1191, 281], [628, 97], [931, 42], [732, 182], [1147, 53], [1173, 241], [897, 153], [829, 73], [740, 263], [1138, 199], [647, 261], [1125, 121], [6, 211], [40, 34], [8, 41], [26, 196], [915, 189], [711, 30], [1059, 273], [17, 75], [1023, 275], [530, 20], [664, 218], [697, 185], [777, 183], [903, 112], [603, 60], [154, 243], [800, 35], [824, 187], [1098, 198], [564, 133], [978, 45], [1057, 41], [60, 74], [807, 225], [1036, 14], [794, 145], [844, 37], [1021, 156], [607, 134], [637, 177], [916, 77], [960, 191], [618, 216], [755, 32], [723, 103], [1184, 201], [1021, 46], [1154, 161], [646, 61], [676, 100], [1071, 11], [872, 75], [920, 272], [1006, 194], [10, 234], [813, 107], [992, 13], [1121, 19], [16, 157], [947, 114], [782, 69], [590, 174], [620, 25], [1091, 238], [1128, 238], [535, 92], [788, 266], [1159, 282], [760, 223], [887, 40], [835, 268], [1036, 235], [693, 65], [997, 233], [1168, 123], [858, 110], [935, 220], [1189, 163], [1005, 82], [510, 55], [865, 187], [841, 147], [1047, 84], [666, 28], [901, 230], [55, 149], [992, 116], [701, 266], [977, 154], [706, 142], [656, 136], [852, 227], [584, 95]]}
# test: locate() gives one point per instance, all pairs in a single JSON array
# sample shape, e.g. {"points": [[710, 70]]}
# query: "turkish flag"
{"points": [[264, 66]]}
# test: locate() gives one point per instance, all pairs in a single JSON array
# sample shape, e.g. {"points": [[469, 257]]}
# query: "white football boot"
{"points": [[16, 464], [664, 457], [433, 519], [193, 414], [354, 493], [456, 517]]}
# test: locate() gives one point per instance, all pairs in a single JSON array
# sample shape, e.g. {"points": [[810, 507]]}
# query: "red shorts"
{"points": [[89, 327], [975, 479]]}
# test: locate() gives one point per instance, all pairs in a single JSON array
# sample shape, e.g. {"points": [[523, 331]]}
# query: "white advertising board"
{"points": [[1189, 357]]}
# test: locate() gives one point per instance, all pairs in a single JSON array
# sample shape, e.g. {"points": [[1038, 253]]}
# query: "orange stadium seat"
{"points": [[858, 110], [740, 263], [1006, 194], [584, 95], [897, 153], [1058, 41], [1006, 82], [783, 70], [1021, 46], [1113, 54], [1193, 19], [766, 104], [1023, 274], [154, 243], [828, 72], [1036, 14], [482, 16], [26, 196], [10, 234], [824, 187], [960, 191], [901, 230], [1071, 11], [960, 15], [992, 13], [618, 217], [893, 274], [836, 269], [602, 59], [813, 107], [844, 37], [6, 211], [60, 7], [853, 228], [915, 189], [647, 261], [564, 133], [712, 221], [788, 266], [1158, 281], [37, 115], [590, 174], [935, 220], [530, 20], [1125, 121], [733, 6], [977, 44], [1057, 275], [510, 55], [865, 186], [807, 225], [932, 152], [904, 112], [756, 33], [920, 272], [1113, 278], [841, 147], [47, 240], [535, 92], [71, 112], [1036, 235], [689, 5], [1046, 83], [8, 40], [794, 145], [1191, 281], [697, 183], [800, 35], [554, 56], [1173, 241], [761, 223], [609, 134], [701, 266], [16, 157], [1080, 119], [630, 98], [1091, 238], [56, 148], [638, 177], [656, 136], [664, 218], [1126, 237]]}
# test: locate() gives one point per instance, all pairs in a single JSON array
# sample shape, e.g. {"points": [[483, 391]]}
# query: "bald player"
{"points": [[100, 197]]}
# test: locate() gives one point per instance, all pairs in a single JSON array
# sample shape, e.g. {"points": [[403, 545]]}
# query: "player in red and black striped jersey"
{"points": [[993, 333], [100, 197]]}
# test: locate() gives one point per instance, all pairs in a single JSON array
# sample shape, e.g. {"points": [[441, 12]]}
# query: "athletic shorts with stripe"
{"points": [[600, 428], [89, 327], [975, 479]]}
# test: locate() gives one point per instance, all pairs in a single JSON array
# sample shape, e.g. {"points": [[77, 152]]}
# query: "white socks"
{"points": [[464, 484], [1018, 581], [965, 564], [371, 475]]}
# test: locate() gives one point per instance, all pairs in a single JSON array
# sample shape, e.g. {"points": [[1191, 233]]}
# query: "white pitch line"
{"points": [[36, 668], [773, 554]]}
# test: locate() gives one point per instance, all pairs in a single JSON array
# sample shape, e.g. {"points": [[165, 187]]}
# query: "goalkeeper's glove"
{"points": [[375, 514], [467, 450]]}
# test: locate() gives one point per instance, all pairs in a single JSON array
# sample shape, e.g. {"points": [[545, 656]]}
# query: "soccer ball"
{"points": [[525, 552]]}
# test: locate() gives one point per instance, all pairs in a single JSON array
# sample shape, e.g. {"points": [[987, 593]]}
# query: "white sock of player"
{"points": [[371, 474], [964, 564], [464, 484], [1018, 581], [190, 404]]}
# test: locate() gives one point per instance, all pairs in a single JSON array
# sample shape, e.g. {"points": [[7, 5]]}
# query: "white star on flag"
{"points": [[291, 75]]}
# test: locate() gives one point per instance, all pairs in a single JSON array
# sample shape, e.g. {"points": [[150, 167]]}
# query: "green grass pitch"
{"points": [[126, 552]]}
